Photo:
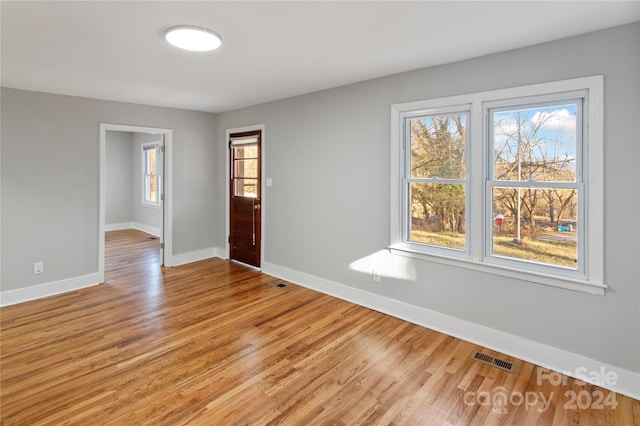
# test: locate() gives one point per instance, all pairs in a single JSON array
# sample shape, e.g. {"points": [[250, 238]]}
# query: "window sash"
{"points": [[407, 180], [578, 98], [581, 233], [149, 175], [535, 184]]}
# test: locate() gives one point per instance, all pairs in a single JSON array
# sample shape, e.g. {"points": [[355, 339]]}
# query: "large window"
{"points": [[508, 182], [150, 177]]}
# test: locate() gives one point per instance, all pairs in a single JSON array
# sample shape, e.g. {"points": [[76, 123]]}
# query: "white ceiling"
{"points": [[115, 50]]}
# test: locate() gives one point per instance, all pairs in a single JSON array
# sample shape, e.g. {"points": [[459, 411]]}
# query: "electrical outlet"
{"points": [[38, 267], [376, 275]]}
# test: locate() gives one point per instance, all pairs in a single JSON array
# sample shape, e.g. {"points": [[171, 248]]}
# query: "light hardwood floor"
{"points": [[214, 343]]}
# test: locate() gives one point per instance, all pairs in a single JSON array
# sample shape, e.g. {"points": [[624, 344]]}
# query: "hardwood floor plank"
{"points": [[213, 343]]}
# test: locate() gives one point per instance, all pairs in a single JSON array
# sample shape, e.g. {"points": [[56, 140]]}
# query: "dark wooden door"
{"points": [[245, 192]]}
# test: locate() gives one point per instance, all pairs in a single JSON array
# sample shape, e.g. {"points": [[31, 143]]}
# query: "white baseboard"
{"points": [[194, 256], [11, 297], [552, 358], [220, 252], [118, 226], [148, 229], [134, 225]]}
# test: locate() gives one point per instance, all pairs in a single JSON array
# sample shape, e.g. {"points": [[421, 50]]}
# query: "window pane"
{"points": [[245, 187], [151, 188], [250, 151], [438, 145], [438, 214], [245, 168], [538, 225], [152, 161], [149, 155], [536, 143]]}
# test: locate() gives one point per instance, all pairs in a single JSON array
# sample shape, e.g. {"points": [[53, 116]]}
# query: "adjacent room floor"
{"points": [[217, 343]]}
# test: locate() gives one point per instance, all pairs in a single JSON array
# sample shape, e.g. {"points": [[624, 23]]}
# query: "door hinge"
{"points": [[161, 148], [161, 197], [162, 246], [229, 239]]}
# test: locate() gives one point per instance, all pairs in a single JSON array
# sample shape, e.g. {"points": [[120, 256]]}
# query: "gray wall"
{"points": [[50, 188], [119, 177], [124, 186], [328, 156]]}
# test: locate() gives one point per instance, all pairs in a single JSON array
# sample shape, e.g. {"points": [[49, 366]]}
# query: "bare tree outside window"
{"points": [[437, 180], [535, 165]]}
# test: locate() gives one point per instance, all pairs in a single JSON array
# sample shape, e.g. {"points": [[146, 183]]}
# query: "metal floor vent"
{"points": [[496, 362], [276, 283]]}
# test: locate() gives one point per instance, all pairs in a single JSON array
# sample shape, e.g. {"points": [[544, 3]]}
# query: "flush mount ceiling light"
{"points": [[191, 37]]}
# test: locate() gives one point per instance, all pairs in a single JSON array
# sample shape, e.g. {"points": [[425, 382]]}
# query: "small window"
{"points": [[245, 166], [150, 178]]}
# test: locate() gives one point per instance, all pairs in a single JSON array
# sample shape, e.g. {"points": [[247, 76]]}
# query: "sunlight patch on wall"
{"points": [[386, 264]]}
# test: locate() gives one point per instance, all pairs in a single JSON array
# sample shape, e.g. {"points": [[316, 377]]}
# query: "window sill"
{"points": [[474, 265], [155, 206]]}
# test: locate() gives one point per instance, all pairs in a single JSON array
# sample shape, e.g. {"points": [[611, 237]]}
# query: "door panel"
{"points": [[245, 186]]}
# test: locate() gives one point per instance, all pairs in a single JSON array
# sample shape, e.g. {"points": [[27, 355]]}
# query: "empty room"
{"points": [[320, 212]]}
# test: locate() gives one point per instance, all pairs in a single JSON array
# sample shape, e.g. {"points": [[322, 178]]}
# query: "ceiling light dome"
{"points": [[191, 37]]}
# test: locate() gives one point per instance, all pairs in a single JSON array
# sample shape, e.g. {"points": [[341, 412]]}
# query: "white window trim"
{"points": [[145, 202], [593, 279]]}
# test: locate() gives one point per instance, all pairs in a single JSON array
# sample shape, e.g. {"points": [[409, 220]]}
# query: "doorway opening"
{"points": [[135, 194]]}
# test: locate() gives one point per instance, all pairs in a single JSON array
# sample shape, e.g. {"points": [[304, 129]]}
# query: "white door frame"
{"points": [[167, 238], [263, 193]]}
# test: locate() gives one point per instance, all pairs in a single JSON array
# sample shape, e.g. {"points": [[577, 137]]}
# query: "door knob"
{"points": [[256, 207]]}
